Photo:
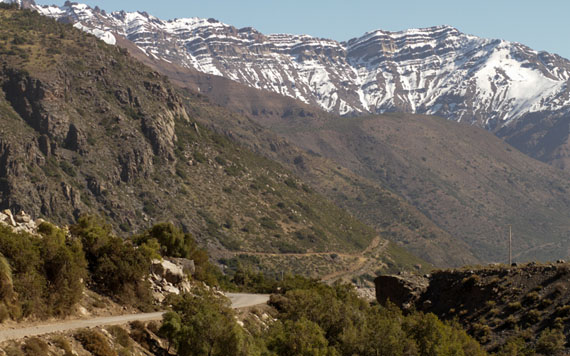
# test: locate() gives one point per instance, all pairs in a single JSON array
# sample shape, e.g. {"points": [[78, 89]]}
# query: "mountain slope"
{"points": [[465, 180], [88, 130], [367, 199], [438, 71]]}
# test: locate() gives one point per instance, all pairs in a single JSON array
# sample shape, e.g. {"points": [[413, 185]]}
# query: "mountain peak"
{"points": [[436, 70]]}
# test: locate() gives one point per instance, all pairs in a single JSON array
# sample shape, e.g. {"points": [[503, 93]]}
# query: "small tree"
{"points": [[298, 338], [551, 342], [203, 324]]}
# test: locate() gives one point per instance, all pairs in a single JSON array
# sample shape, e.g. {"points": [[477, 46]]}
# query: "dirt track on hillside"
{"points": [[239, 300]]}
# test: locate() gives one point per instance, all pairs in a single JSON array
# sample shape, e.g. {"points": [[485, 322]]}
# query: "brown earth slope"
{"points": [[367, 199], [85, 129], [467, 181]]}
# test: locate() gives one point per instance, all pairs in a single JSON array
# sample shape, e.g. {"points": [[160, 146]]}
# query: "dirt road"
{"points": [[239, 300], [242, 300]]}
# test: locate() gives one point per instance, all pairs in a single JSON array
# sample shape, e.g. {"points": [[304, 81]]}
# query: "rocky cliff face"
{"points": [[502, 86], [495, 303]]}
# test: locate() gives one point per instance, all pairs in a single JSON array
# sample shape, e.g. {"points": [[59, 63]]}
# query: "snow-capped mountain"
{"points": [[437, 70]]}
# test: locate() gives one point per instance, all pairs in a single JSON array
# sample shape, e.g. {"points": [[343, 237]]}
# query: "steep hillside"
{"points": [[86, 129], [440, 71], [368, 200], [501, 305], [467, 181]]}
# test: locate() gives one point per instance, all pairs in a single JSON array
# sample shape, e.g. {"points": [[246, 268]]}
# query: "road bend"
{"points": [[239, 300]]}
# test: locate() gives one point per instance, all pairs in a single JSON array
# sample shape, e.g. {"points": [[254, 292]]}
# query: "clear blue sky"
{"points": [[542, 25]]}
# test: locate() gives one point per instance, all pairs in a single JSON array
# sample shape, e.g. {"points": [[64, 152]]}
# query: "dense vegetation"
{"points": [[168, 240], [42, 275], [311, 319]]}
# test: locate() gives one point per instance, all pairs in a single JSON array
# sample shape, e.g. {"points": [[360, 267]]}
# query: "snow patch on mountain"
{"points": [[436, 70], [103, 35]]}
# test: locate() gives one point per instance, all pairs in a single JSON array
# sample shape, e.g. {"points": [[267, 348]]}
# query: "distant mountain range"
{"points": [[519, 94], [467, 182]]}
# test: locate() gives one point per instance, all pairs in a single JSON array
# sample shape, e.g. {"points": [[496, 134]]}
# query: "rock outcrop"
{"points": [[404, 290], [170, 276], [493, 303], [21, 222]]}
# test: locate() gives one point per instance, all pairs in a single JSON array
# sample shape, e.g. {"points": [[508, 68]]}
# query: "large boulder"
{"points": [[168, 271], [7, 217], [170, 276], [186, 264], [403, 290]]}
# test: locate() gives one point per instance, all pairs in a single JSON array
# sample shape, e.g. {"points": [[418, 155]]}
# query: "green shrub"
{"points": [[551, 342], [298, 338], [544, 303], [471, 281], [173, 242], [268, 223], [203, 324], [515, 347], [562, 311], [353, 327], [481, 332], [67, 168], [220, 160], [121, 336], [94, 342], [47, 271], [531, 297], [290, 182], [514, 306], [510, 321], [35, 347], [199, 157], [64, 267], [117, 269], [63, 344], [532, 317]]}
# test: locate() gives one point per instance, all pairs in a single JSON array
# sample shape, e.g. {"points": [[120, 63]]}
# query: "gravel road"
{"points": [[239, 300]]}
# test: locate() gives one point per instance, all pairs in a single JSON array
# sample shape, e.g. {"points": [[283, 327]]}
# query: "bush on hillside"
{"points": [[95, 342], [551, 342], [204, 324], [173, 242], [117, 269], [46, 272], [353, 327]]}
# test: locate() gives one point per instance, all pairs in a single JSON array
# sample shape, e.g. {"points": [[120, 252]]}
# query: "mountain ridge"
{"points": [[86, 129], [498, 85], [466, 180]]}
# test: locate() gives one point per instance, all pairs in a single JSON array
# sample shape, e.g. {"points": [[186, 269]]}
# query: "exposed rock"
{"points": [[186, 264], [22, 222], [75, 139], [7, 217], [22, 217], [403, 290], [172, 273], [170, 276]]}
